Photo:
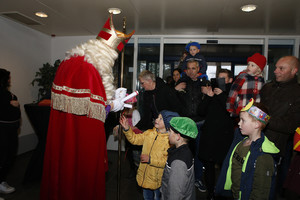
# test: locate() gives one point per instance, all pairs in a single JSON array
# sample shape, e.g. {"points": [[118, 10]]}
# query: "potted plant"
{"points": [[44, 78]]}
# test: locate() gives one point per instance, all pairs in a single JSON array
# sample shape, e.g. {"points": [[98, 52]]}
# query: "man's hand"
{"points": [[181, 86], [207, 90], [217, 91], [117, 105], [120, 93]]}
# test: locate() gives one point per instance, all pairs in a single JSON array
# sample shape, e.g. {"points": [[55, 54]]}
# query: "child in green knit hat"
{"points": [[178, 177]]}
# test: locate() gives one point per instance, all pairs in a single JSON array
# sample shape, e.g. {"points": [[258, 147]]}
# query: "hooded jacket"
{"points": [[257, 175], [155, 145]]}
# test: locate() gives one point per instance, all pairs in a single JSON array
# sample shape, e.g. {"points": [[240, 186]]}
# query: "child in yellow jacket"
{"points": [[154, 153]]}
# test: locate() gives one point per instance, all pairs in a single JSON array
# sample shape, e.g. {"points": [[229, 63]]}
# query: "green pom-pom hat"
{"points": [[184, 126]]}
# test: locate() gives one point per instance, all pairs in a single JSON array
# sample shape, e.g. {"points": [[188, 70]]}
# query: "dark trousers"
{"points": [[209, 176], [8, 147], [283, 167]]}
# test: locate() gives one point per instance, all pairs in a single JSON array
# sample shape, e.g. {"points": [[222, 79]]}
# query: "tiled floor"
{"points": [[129, 190], [128, 187]]}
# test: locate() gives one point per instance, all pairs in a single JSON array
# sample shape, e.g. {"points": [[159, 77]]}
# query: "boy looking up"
{"points": [[178, 177]]}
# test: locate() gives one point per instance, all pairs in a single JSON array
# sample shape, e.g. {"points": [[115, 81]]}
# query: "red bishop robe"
{"points": [[76, 156]]}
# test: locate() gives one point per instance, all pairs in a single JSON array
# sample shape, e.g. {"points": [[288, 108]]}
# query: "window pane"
{"points": [[128, 68], [148, 56], [211, 70], [238, 69], [276, 52], [224, 55], [172, 54]]}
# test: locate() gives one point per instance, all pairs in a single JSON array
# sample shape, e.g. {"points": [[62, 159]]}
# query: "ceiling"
{"points": [[159, 17]]}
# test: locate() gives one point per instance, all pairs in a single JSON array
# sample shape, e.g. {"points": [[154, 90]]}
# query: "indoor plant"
{"points": [[44, 78]]}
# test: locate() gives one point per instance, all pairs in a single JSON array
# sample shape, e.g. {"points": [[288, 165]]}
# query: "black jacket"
{"points": [[7, 111], [154, 101], [191, 98], [283, 103], [217, 130]]}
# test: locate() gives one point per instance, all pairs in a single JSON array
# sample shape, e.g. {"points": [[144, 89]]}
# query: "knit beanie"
{"points": [[167, 116], [258, 59], [196, 44], [185, 126]]}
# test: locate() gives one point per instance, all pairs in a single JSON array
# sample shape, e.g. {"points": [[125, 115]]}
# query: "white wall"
{"points": [[60, 45], [22, 52]]}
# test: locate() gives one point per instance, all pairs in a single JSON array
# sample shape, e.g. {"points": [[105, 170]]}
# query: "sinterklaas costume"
{"points": [[76, 156]]}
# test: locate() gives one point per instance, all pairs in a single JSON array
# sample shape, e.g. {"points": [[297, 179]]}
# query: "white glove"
{"points": [[118, 104], [120, 93]]}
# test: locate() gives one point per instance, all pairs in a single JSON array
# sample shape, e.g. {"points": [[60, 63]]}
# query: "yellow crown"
{"points": [[256, 112], [113, 38]]}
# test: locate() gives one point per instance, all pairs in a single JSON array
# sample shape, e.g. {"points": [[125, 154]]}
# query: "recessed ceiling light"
{"points": [[248, 8], [41, 14], [114, 11]]}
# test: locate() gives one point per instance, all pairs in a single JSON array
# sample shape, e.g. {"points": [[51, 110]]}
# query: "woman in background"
{"points": [[10, 115]]}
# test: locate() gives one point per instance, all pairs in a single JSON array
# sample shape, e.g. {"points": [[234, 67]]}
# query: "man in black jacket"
{"points": [[191, 97], [157, 97], [282, 99]]}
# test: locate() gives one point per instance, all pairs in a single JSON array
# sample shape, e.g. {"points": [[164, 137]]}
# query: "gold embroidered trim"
{"points": [[78, 91], [78, 106]]}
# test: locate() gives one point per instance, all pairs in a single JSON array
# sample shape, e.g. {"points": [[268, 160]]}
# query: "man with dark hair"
{"points": [[217, 130], [191, 97]]}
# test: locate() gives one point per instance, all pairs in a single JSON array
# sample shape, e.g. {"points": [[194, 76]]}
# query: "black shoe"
{"points": [[201, 187]]}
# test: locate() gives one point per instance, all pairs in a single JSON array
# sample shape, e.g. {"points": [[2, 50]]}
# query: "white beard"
{"points": [[102, 57]]}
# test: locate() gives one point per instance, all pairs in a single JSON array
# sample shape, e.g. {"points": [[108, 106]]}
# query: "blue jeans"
{"points": [[151, 194], [198, 167]]}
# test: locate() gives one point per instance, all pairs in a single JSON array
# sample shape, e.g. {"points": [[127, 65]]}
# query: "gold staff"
{"points": [[120, 132]]}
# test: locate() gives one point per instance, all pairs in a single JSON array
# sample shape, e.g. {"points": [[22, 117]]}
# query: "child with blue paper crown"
{"points": [[249, 168], [194, 54]]}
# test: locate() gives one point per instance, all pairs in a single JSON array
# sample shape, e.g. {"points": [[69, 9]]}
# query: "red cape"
{"points": [[76, 157]]}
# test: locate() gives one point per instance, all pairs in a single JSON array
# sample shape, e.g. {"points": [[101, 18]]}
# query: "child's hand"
{"points": [[145, 158], [124, 122], [116, 131]]}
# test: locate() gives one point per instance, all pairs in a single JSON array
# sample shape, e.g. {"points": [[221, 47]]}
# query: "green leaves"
{"points": [[44, 78]]}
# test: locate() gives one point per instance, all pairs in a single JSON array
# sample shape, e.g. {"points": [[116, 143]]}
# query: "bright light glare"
{"points": [[248, 8], [114, 11], [41, 14]]}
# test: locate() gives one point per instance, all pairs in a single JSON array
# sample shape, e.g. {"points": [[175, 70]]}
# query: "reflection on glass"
{"points": [[128, 68], [238, 69], [148, 57], [211, 71], [276, 52]]}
